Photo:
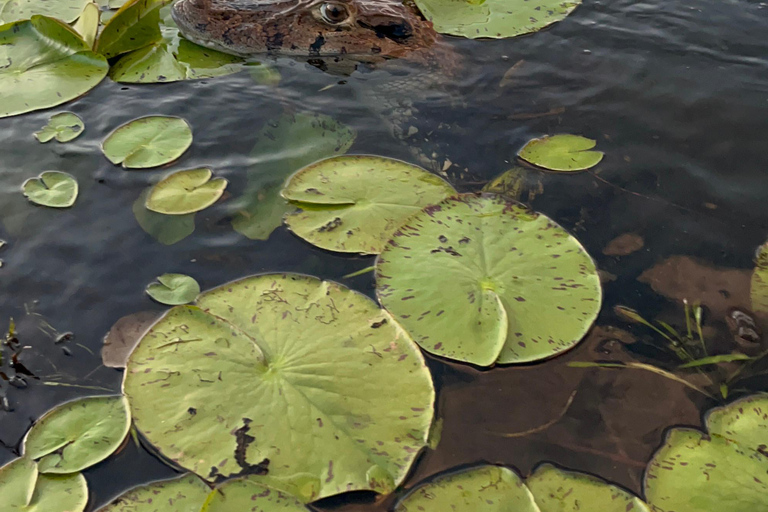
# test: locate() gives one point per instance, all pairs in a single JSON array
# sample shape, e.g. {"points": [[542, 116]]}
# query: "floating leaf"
{"points": [[166, 229], [244, 494], [63, 127], [134, 26], [261, 212], [65, 10], [124, 336], [87, 25], [52, 188], [148, 142], [24, 490], [720, 472], [323, 390], [483, 279], [185, 493], [758, 292], [356, 203], [174, 289], [78, 434], [494, 18], [561, 153], [44, 63], [186, 192]]}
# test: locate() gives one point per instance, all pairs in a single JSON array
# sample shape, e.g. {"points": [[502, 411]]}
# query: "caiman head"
{"points": [[311, 28]]}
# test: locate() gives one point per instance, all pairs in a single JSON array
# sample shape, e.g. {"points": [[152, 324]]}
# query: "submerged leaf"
{"points": [[52, 188], [64, 127], [174, 289], [166, 229], [186, 493], [124, 336], [561, 153], [261, 212], [186, 192], [23, 489], [148, 142]]}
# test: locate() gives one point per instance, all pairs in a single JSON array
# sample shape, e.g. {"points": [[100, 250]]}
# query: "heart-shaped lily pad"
{"points": [[483, 279], [134, 26], [186, 192], [724, 471], [494, 18], [63, 127], [355, 203], [324, 392], [52, 188], [148, 142], [174, 289], [44, 63], [758, 292], [78, 434], [562, 153], [65, 10], [245, 494], [186, 493], [23, 489]]}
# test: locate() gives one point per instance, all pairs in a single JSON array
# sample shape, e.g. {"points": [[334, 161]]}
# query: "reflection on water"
{"points": [[676, 93]]}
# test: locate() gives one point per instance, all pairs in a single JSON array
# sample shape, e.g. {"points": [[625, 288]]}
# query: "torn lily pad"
{"points": [[166, 229], [186, 493], [148, 142], [64, 10], [174, 289], [482, 279], [63, 127], [44, 63], [723, 471], [355, 203], [303, 363], [52, 188], [561, 153], [245, 494], [186, 192], [24, 489], [78, 434]]}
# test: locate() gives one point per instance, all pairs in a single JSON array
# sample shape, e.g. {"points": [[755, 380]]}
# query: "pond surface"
{"points": [[675, 93]]}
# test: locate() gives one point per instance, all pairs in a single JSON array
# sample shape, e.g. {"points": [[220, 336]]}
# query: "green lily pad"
{"points": [[23, 489], [87, 25], [562, 153], [557, 490], [63, 127], [78, 434], [186, 493], [52, 188], [724, 471], [494, 18], [356, 203], [261, 211], [148, 142], [245, 494], [134, 26], [174, 289], [166, 229], [758, 293], [324, 391], [44, 63], [480, 489], [65, 10], [186, 192], [482, 279]]}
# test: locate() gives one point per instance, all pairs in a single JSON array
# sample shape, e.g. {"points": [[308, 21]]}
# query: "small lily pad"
{"points": [[482, 279], [758, 292], [245, 494], [186, 192], [23, 489], [356, 203], [63, 127], [78, 434], [148, 142], [65, 10], [52, 188], [186, 493], [562, 153], [87, 25], [174, 289], [134, 26], [166, 229]]}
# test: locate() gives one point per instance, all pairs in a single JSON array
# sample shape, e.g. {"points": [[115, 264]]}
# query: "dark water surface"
{"points": [[675, 92]]}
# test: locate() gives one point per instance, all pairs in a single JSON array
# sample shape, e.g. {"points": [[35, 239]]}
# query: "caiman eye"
{"points": [[334, 13]]}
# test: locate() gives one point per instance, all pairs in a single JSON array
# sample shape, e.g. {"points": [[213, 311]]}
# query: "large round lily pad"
{"points": [[64, 127], [23, 489], [148, 142], [245, 494], [78, 434], [186, 493], [52, 188], [283, 374], [482, 279], [186, 192], [494, 18], [562, 153], [724, 471], [355, 203], [44, 63]]}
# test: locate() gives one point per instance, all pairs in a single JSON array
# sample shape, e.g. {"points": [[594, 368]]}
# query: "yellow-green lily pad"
{"points": [[244, 494], [148, 142], [134, 26], [562, 153], [24, 489], [166, 229], [64, 10], [186, 493], [52, 188], [87, 25], [64, 127], [174, 289], [186, 192]]}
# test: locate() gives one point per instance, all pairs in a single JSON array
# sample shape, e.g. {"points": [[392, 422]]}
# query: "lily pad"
{"points": [[87, 25], [166, 229], [356, 203], [23, 489], [134, 26], [174, 289], [52, 188], [261, 212], [148, 142], [758, 292], [245, 494], [44, 63], [186, 192], [63, 127], [562, 153], [186, 493], [724, 471], [482, 279], [324, 392], [494, 18], [78, 434], [65, 10]]}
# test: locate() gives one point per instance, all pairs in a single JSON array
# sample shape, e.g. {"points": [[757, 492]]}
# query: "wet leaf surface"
{"points": [[148, 142], [52, 188], [174, 289], [23, 489], [242, 494], [185, 192], [561, 153], [64, 127], [186, 493]]}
